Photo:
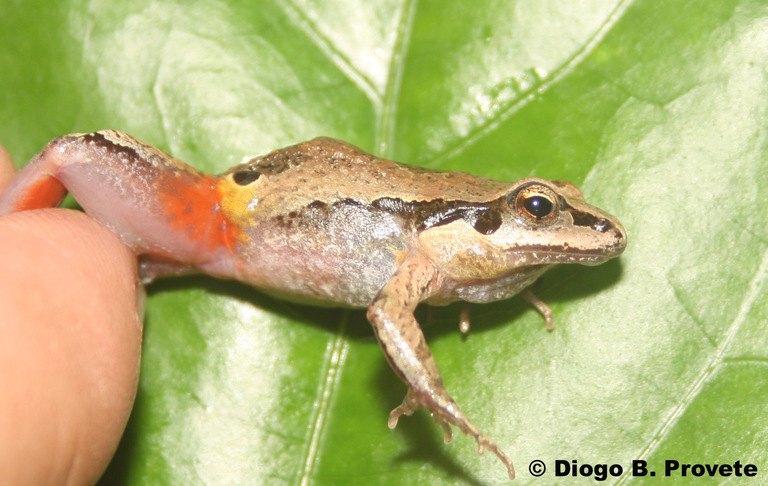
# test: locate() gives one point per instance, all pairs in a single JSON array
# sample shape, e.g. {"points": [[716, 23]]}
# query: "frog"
{"points": [[325, 223]]}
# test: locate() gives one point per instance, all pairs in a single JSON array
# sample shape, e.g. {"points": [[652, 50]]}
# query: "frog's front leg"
{"points": [[400, 336]]}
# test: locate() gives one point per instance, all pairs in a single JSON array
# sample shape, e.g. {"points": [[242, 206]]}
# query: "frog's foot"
{"points": [[446, 415]]}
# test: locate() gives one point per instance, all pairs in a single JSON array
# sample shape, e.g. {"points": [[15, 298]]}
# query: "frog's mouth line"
{"points": [[564, 254]]}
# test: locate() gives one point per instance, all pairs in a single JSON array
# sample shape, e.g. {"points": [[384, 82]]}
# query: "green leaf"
{"points": [[657, 109]]}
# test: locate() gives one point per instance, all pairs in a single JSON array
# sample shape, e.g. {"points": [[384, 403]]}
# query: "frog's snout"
{"points": [[616, 231]]}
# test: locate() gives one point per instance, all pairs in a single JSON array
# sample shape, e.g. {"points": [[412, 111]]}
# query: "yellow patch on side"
{"points": [[239, 205]]}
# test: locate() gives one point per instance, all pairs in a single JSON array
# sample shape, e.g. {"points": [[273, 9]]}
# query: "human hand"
{"points": [[70, 343]]}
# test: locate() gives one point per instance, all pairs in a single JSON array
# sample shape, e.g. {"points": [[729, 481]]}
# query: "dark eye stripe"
{"points": [[487, 222], [581, 218], [485, 218]]}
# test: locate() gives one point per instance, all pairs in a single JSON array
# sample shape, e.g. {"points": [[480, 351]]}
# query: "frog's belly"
{"points": [[500, 288], [323, 277], [344, 260]]}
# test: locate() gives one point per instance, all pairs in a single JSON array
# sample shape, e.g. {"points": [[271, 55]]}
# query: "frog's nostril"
{"points": [[602, 225]]}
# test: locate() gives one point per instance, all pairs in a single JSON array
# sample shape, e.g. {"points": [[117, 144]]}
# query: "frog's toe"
{"points": [[484, 442], [408, 406], [447, 413], [464, 323], [447, 432]]}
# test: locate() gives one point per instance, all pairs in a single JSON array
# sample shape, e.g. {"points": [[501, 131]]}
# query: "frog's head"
{"points": [[549, 219], [536, 222]]}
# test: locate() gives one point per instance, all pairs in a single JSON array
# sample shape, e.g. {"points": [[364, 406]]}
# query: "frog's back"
{"points": [[327, 170]]}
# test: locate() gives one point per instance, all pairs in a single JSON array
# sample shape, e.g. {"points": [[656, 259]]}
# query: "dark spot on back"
{"points": [[245, 177], [317, 205]]}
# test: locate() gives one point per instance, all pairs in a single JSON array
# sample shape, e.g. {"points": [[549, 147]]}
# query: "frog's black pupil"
{"points": [[245, 177], [538, 206]]}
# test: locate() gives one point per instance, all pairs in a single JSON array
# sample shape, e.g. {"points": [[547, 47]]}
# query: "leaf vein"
{"points": [[388, 112], [336, 353], [535, 90], [685, 305], [327, 47]]}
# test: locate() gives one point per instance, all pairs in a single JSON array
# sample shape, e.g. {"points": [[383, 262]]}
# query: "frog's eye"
{"points": [[538, 206], [245, 177], [535, 203]]}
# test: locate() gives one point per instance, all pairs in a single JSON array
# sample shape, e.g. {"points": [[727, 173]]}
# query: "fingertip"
{"points": [[69, 358], [7, 170]]}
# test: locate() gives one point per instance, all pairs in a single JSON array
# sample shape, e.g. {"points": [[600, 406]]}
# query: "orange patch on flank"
{"points": [[43, 193], [192, 204]]}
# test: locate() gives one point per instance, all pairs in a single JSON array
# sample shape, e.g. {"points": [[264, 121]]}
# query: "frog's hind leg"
{"points": [[403, 343], [36, 186], [154, 203]]}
